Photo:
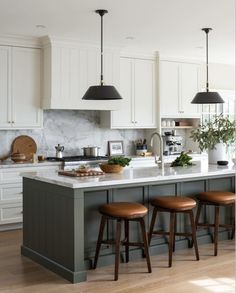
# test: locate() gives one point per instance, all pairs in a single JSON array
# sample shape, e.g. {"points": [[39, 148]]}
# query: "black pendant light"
{"points": [[101, 92], [207, 97]]}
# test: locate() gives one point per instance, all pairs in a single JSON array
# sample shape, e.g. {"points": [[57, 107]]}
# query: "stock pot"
{"points": [[91, 151]]}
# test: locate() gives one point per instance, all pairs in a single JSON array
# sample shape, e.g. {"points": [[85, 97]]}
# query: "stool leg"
{"points": [[198, 214], [216, 229], [174, 233], [127, 240], [99, 242], [199, 208], [117, 248], [154, 215], [145, 244], [194, 238], [233, 222], [171, 236]]}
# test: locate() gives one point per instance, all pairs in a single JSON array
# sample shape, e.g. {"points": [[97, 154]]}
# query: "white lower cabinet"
{"points": [[138, 79], [11, 213], [11, 192]]}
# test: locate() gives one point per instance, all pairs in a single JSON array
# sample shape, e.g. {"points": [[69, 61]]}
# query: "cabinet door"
{"points": [[190, 85], [169, 88], [124, 118], [5, 101], [25, 86], [144, 93]]}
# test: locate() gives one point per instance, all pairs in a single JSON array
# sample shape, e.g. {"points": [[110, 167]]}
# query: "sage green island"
{"points": [[61, 219]]}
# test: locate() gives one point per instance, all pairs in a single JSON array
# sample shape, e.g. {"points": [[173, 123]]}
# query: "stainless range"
{"points": [[73, 162]]}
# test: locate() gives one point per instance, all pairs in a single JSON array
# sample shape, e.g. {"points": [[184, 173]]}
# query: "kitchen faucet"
{"points": [[161, 149]]}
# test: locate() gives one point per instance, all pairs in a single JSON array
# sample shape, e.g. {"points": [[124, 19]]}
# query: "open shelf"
{"points": [[176, 127]]}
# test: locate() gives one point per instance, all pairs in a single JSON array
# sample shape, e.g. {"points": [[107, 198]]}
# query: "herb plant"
{"points": [[182, 160], [218, 130], [122, 161]]}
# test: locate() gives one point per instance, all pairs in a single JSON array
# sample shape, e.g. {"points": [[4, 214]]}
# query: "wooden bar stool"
{"points": [[122, 211], [173, 205], [216, 199]]}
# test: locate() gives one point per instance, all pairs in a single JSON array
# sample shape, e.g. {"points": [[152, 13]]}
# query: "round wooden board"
{"points": [[24, 144]]}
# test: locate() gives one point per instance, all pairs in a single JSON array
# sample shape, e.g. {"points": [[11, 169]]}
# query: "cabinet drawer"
{"points": [[11, 213], [13, 175], [10, 176], [9, 192]]}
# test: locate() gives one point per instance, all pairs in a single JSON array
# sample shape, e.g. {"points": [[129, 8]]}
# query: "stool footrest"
{"points": [[213, 225], [168, 233], [125, 243]]}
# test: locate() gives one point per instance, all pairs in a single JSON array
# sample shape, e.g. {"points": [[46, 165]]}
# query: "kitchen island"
{"points": [[61, 219]]}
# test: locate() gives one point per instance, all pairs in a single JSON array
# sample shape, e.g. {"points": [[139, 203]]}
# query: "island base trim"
{"points": [[73, 277]]}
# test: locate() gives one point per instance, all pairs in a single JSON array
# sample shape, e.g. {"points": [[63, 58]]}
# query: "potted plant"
{"points": [[215, 136], [115, 164]]}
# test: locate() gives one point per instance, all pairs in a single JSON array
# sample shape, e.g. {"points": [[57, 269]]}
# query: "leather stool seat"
{"points": [[174, 203], [125, 210], [217, 197]]}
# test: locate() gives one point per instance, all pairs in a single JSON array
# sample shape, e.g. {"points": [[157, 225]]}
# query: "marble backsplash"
{"points": [[74, 130]]}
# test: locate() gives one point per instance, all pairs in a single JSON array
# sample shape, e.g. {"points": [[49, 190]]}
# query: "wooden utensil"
{"points": [[24, 144]]}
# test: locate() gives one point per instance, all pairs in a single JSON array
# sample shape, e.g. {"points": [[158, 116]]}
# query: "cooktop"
{"points": [[77, 158]]}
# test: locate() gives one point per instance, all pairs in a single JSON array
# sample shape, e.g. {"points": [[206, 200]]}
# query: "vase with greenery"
{"points": [[215, 134]]}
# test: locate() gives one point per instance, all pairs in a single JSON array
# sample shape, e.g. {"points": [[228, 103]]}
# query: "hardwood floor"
{"points": [[210, 274]]}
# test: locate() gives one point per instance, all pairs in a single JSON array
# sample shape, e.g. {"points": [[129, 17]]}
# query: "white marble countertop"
{"points": [[10, 164], [135, 175]]}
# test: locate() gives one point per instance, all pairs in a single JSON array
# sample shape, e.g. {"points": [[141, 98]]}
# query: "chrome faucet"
{"points": [[161, 160]]}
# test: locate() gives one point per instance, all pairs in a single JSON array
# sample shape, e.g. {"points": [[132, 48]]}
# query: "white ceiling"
{"points": [[172, 27]]}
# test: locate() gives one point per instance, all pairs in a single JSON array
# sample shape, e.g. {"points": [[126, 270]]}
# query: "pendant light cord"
{"points": [[206, 30], [101, 12], [101, 49], [207, 82]]}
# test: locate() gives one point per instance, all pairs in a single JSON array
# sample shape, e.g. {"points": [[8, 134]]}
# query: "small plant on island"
{"points": [[122, 161], [183, 160]]}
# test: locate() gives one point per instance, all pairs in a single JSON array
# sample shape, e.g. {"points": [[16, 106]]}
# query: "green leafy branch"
{"points": [[122, 161], [218, 130]]}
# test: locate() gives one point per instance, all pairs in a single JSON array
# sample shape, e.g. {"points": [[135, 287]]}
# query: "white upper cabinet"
{"points": [[70, 69], [125, 116], [5, 96], [138, 90], [179, 83], [20, 88]]}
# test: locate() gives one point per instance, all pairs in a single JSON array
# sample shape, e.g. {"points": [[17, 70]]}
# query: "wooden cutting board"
{"points": [[79, 174], [24, 144]]}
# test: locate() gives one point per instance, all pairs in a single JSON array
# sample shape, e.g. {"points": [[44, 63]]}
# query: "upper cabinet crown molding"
{"points": [[20, 41], [140, 55], [51, 40], [181, 59]]}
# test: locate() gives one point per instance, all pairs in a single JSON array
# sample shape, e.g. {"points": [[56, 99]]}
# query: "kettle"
{"points": [[59, 150]]}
